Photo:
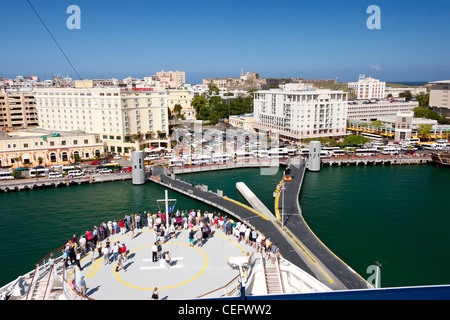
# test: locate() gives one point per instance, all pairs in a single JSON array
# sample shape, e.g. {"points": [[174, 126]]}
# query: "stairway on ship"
{"points": [[273, 277]]}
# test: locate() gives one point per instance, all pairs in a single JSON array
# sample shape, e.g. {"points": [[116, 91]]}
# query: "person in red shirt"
{"points": [[123, 251], [122, 226]]}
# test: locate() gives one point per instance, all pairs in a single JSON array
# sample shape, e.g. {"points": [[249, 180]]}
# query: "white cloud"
{"points": [[375, 67]]}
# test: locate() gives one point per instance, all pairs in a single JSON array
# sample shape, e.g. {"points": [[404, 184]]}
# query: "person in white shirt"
{"points": [[115, 251]]}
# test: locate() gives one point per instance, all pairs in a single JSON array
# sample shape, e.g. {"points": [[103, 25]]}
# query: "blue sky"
{"points": [[314, 39]]}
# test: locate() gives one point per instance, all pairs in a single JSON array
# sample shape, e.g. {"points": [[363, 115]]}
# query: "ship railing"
{"points": [[70, 293], [43, 266], [279, 273], [264, 272], [231, 289], [34, 281], [227, 290], [51, 280]]}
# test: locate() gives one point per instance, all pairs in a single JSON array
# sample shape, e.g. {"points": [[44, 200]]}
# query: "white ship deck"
{"points": [[194, 270]]}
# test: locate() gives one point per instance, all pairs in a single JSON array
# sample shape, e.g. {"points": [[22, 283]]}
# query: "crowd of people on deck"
{"points": [[200, 227]]}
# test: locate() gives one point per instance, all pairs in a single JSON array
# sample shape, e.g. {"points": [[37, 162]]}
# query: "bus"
{"points": [[240, 155], [66, 169], [260, 154], [220, 158], [325, 154], [177, 162], [339, 152], [431, 146], [6, 175], [38, 173], [304, 151], [149, 159], [280, 153], [113, 166], [412, 141], [372, 136], [389, 151], [201, 159], [365, 152], [292, 152]]}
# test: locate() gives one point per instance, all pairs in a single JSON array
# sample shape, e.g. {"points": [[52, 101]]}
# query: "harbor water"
{"points": [[396, 215]]}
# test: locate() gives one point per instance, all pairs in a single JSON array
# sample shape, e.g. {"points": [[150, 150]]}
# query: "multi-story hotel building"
{"points": [[367, 88], [371, 111], [439, 100], [17, 109], [22, 148], [299, 112], [125, 119]]}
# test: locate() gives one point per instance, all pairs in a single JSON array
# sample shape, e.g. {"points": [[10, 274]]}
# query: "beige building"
{"points": [[171, 79], [125, 119], [439, 100], [48, 147], [243, 121], [17, 109], [184, 99]]}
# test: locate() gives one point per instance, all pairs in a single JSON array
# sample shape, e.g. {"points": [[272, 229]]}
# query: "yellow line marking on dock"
{"points": [[297, 242], [248, 208]]}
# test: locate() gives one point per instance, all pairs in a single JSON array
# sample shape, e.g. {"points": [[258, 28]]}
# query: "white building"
{"points": [[371, 111], [126, 119], [395, 91], [368, 88], [299, 111]]}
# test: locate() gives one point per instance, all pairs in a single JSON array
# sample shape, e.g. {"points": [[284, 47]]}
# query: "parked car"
{"points": [[104, 170], [117, 157], [93, 163], [126, 169]]}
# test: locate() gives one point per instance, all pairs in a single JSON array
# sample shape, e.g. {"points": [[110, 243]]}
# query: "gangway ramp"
{"points": [[254, 201]]}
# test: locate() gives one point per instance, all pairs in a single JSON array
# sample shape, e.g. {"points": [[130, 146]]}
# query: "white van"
{"points": [[75, 173], [52, 175]]}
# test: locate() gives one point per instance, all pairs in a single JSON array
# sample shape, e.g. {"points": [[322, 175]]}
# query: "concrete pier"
{"points": [[31, 184], [374, 161]]}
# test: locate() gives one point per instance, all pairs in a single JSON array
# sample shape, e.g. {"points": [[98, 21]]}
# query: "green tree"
{"points": [[355, 140], [213, 87], [16, 174], [177, 108], [423, 112], [424, 129], [406, 94], [423, 99], [198, 102], [377, 123]]}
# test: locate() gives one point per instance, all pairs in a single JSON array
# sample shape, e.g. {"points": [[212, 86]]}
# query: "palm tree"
{"points": [[17, 160]]}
